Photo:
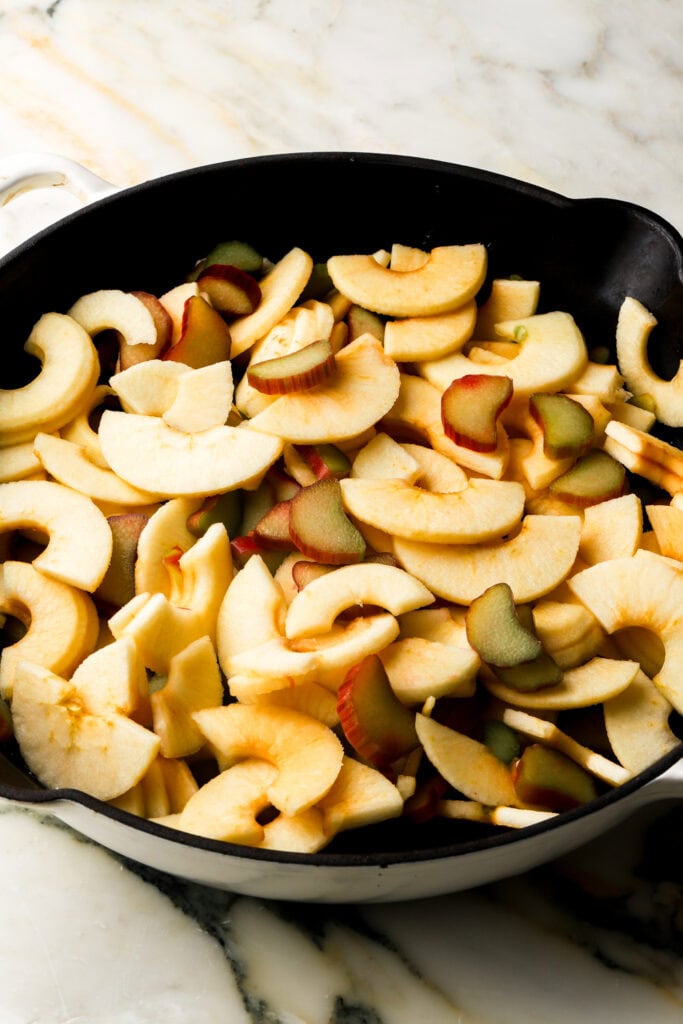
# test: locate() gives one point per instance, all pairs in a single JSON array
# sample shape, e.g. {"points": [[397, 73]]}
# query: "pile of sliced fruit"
{"points": [[293, 549]]}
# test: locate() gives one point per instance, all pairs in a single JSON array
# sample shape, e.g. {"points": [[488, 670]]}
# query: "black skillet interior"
{"points": [[587, 254]]}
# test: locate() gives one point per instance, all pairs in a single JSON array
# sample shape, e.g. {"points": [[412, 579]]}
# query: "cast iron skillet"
{"points": [[588, 254]]}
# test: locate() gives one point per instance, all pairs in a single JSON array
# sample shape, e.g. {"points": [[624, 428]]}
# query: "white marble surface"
{"points": [[583, 97]]}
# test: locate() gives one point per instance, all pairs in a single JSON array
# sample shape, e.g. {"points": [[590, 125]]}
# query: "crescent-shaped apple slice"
{"points": [[482, 511], [634, 326], [66, 380], [315, 608], [306, 753], [18, 462], [533, 562], [165, 530], [450, 277], [598, 680], [363, 389], [643, 590], [70, 464], [111, 309], [79, 431], [252, 611], [61, 622], [280, 289], [637, 724], [551, 356], [66, 746], [429, 337], [79, 537], [149, 454]]}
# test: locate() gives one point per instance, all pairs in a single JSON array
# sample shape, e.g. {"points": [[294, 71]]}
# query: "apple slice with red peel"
{"points": [[567, 427], [375, 723], [470, 408], [469, 766], [320, 528], [593, 478], [550, 779], [231, 290], [507, 644], [296, 371], [204, 336]]}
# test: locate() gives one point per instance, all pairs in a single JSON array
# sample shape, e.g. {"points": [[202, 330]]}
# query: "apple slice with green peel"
{"points": [[469, 766], [567, 427], [66, 746], [79, 538], [298, 371], [204, 336], [551, 356], [363, 389], [60, 620], [593, 478], [193, 683], [637, 724], [118, 584], [471, 407], [230, 290], [306, 753], [598, 680], [319, 527], [419, 669], [509, 299], [484, 510], [533, 562], [376, 724], [69, 464], [548, 778], [280, 289], [315, 608], [634, 326], [429, 337], [65, 383], [147, 453], [450, 277]]}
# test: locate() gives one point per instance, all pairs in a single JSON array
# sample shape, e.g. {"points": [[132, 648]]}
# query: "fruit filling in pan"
{"points": [[294, 549]]}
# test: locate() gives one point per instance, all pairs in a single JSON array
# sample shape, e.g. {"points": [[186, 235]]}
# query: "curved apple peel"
{"points": [[634, 326], [643, 590], [79, 538], [482, 511], [307, 755], [450, 277], [62, 625], [67, 378], [70, 464], [315, 608], [147, 453], [533, 562]]}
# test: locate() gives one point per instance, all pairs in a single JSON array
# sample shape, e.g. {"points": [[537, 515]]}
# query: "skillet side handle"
{"points": [[667, 786], [25, 172]]}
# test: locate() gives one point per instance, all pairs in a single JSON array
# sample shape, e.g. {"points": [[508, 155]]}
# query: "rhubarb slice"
{"points": [[375, 723], [230, 289], [470, 408], [204, 336], [549, 778], [297, 371], [595, 477], [320, 528], [567, 427]]}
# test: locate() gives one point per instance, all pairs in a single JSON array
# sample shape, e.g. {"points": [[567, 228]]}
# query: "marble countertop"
{"points": [[582, 97]]}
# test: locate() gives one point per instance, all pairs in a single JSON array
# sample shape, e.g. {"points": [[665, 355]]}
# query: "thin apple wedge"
{"points": [[667, 523], [598, 680], [384, 459], [69, 464], [429, 337], [166, 529], [533, 562], [469, 766], [147, 453], [112, 309], [315, 608], [297, 371], [611, 529], [450, 277], [280, 289], [637, 724], [227, 806], [363, 389], [509, 299], [359, 796], [251, 613], [482, 511], [548, 778], [193, 683], [419, 669]]}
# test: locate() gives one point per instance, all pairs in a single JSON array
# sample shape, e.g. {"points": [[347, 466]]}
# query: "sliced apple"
{"points": [[148, 388], [167, 529], [567, 630], [383, 458], [202, 400], [450, 277], [112, 679], [419, 669], [129, 354], [611, 529], [306, 753], [667, 523], [470, 409], [598, 680], [147, 453], [79, 539], [359, 796], [19, 462], [437, 473], [646, 447], [644, 590], [533, 562], [551, 356], [112, 309], [316, 607], [61, 622], [79, 429], [280, 289], [67, 379], [68, 747], [69, 464], [204, 336], [193, 683], [251, 613], [482, 511], [226, 807], [469, 766], [363, 389], [173, 301], [429, 337], [118, 584], [509, 299], [309, 698], [634, 326], [637, 724]]}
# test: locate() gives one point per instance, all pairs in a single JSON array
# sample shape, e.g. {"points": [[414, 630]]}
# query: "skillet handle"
{"points": [[37, 189], [667, 786]]}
